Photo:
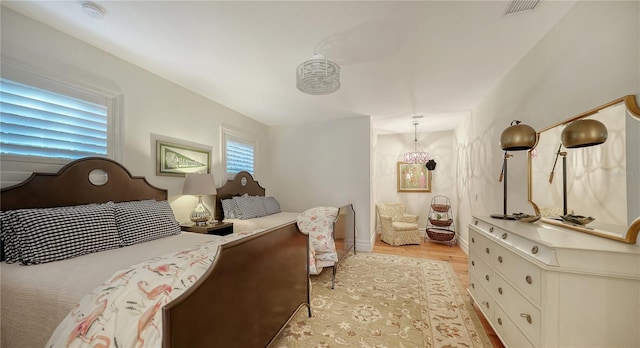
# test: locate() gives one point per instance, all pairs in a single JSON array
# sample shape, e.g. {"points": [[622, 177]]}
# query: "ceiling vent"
{"points": [[518, 6]]}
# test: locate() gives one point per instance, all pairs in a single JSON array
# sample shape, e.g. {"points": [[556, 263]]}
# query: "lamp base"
{"points": [[503, 216], [200, 215], [200, 223]]}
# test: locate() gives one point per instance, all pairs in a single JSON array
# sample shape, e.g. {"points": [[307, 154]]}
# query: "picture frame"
{"points": [[173, 159], [413, 177]]}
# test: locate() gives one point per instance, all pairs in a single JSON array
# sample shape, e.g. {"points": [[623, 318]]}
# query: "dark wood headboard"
{"points": [[235, 187], [71, 186]]}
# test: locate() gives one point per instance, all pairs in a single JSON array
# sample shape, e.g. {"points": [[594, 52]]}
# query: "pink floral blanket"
{"points": [[318, 224], [125, 311]]}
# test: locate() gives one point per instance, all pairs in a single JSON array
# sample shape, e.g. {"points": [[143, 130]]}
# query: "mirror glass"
{"points": [[602, 181], [98, 177]]}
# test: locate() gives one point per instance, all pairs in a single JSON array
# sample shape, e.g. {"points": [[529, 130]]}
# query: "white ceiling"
{"points": [[398, 59]]}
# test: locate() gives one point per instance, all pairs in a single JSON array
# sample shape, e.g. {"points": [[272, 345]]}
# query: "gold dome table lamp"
{"points": [[516, 137], [580, 133]]}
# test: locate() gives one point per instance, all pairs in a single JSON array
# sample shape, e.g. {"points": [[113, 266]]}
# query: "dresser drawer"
{"points": [[522, 313], [481, 270], [522, 273], [482, 245], [508, 330], [481, 296]]}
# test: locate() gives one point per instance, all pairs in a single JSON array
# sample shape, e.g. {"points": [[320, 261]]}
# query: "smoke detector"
{"points": [[93, 10]]}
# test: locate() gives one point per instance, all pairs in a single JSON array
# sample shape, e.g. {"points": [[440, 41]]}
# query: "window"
{"points": [[239, 153], [46, 119]]}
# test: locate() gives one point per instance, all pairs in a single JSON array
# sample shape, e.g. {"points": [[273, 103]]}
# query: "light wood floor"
{"points": [[439, 251]]}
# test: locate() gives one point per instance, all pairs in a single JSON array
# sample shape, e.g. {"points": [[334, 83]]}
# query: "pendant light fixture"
{"points": [[318, 76], [415, 156]]}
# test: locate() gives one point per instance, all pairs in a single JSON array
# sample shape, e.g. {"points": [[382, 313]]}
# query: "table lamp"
{"points": [[199, 184], [516, 137], [580, 133]]}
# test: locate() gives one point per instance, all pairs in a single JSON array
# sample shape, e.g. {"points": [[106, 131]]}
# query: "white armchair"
{"points": [[398, 227]]}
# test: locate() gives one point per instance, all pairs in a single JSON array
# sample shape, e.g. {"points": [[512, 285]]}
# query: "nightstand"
{"points": [[217, 228]]}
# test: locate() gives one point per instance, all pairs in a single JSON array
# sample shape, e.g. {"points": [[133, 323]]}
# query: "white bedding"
{"points": [[266, 222], [36, 298]]}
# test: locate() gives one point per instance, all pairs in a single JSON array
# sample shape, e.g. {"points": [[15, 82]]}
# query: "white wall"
{"points": [[390, 148], [151, 104], [324, 164], [592, 56]]}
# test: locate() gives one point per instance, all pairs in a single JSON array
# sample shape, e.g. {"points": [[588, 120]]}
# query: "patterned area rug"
{"points": [[386, 301]]}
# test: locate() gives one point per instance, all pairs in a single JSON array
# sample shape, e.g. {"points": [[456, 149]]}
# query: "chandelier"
{"points": [[415, 156], [318, 76]]}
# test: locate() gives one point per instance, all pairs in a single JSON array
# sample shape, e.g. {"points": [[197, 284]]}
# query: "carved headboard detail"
{"points": [[71, 186], [241, 183]]}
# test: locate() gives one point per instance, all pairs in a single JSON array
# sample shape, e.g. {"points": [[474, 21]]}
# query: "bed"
{"points": [[222, 308], [342, 232]]}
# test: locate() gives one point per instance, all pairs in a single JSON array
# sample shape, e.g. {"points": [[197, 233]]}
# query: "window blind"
{"points": [[239, 156], [37, 122]]}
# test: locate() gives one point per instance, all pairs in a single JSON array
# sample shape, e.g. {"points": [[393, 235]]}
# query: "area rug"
{"points": [[386, 301]]}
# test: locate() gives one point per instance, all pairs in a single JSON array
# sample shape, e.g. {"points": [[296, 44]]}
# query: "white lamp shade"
{"points": [[199, 184]]}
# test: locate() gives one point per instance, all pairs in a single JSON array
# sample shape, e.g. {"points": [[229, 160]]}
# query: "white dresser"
{"points": [[544, 286]]}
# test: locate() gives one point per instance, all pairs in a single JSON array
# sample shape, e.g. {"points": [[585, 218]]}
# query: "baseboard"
{"points": [[364, 246], [464, 245]]}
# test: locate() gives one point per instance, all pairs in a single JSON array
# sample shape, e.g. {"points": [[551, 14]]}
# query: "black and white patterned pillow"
{"points": [[249, 207], [142, 221], [52, 234], [10, 243], [271, 205], [229, 208]]}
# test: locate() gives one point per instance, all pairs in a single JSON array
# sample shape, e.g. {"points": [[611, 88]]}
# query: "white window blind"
{"points": [[239, 155], [37, 122]]}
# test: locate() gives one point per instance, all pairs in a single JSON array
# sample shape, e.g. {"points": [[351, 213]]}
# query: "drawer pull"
{"points": [[500, 321], [500, 291], [500, 259], [473, 263], [504, 236], [473, 286], [485, 303], [534, 250], [475, 222], [486, 277], [528, 279], [487, 250], [490, 229], [526, 316], [473, 240]]}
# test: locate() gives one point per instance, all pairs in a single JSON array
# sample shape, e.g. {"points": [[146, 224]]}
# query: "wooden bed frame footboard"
{"points": [[248, 295], [344, 236], [344, 226]]}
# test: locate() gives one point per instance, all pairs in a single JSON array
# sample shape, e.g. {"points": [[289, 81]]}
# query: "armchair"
{"points": [[398, 227]]}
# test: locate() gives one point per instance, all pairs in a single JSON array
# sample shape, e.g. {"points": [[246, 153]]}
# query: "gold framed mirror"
{"points": [[601, 180]]}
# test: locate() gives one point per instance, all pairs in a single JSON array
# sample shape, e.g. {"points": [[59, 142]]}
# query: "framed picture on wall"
{"points": [[413, 178], [176, 159]]}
